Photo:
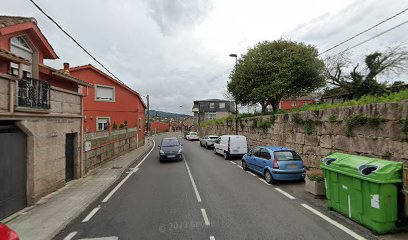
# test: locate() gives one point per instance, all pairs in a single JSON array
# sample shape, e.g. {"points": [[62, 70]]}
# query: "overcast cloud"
{"points": [[177, 50]]}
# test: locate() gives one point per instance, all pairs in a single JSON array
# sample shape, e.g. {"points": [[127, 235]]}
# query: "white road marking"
{"points": [[233, 162], [212, 238], [340, 226], [285, 193], [251, 173], [192, 181], [128, 176], [239, 166], [70, 235], [206, 221], [262, 180], [91, 214]]}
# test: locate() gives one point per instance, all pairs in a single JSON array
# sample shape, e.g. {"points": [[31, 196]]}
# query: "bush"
{"points": [[315, 175], [115, 125]]}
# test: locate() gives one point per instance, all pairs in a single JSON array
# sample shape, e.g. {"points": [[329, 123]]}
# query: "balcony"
{"points": [[33, 94]]}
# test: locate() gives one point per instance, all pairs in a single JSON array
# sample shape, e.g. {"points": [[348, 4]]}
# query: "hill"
{"points": [[161, 114]]}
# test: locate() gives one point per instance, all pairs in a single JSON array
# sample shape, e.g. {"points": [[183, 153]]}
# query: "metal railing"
{"points": [[34, 93]]}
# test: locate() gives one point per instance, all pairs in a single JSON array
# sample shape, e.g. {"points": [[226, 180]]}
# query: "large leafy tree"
{"points": [[363, 81], [271, 71]]}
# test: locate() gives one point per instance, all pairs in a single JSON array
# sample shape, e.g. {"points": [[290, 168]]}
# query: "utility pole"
{"points": [[236, 103], [148, 115]]}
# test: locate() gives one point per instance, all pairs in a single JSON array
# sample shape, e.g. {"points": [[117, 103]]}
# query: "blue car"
{"points": [[274, 163]]}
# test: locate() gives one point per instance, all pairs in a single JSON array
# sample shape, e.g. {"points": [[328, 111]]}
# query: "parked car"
{"points": [[192, 136], [7, 234], [231, 146], [170, 149], [208, 141], [274, 163]]}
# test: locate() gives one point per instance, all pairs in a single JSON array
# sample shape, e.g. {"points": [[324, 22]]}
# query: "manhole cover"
{"points": [[116, 167]]}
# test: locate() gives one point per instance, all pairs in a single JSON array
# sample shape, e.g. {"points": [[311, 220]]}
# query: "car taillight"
{"points": [[13, 236], [275, 164]]}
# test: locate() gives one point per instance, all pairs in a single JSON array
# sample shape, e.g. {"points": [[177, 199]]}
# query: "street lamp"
{"points": [[236, 104]]}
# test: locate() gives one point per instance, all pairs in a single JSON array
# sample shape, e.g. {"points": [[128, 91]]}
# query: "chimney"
{"points": [[66, 67]]}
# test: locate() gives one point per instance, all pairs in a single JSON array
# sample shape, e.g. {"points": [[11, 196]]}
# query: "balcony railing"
{"points": [[33, 93]]}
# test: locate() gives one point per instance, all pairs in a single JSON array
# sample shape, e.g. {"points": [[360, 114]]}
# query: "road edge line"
{"points": [[192, 181]]}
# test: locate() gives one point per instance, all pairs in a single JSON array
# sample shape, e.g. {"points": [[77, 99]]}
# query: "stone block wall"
{"points": [[105, 148], [4, 95], [377, 130]]}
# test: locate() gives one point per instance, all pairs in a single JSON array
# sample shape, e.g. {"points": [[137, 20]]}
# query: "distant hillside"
{"points": [[160, 114]]}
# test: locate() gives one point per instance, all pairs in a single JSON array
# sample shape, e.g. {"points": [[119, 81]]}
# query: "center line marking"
{"points": [[206, 221], [128, 176], [285, 193], [340, 226], [91, 214], [192, 181], [70, 236]]}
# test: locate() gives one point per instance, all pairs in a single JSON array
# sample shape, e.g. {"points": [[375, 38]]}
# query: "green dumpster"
{"points": [[363, 189]]}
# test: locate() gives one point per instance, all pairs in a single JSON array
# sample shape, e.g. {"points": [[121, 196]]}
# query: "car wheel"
{"points": [[244, 166], [226, 156], [206, 145], [268, 177]]}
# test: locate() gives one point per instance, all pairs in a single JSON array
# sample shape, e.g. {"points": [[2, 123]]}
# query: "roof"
{"points": [[7, 21], [89, 66], [213, 100], [12, 57], [9, 25], [61, 74]]}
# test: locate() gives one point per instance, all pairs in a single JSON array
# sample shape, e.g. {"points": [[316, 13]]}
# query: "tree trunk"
{"points": [[264, 107], [275, 104]]}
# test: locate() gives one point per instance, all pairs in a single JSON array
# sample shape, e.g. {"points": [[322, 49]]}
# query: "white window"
{"points": [[221, 105], [210, 116], [20, 47], [211, 105], [104, 93], [102, 123]]}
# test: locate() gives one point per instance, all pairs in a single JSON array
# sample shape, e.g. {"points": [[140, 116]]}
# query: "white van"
{"points": [[231, 146]]}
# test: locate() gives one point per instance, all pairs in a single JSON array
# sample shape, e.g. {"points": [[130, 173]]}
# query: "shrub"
{"points": [[315, 175], [115, 125]]}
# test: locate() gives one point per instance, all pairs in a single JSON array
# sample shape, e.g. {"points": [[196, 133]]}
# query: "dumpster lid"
{"points": [[371, 169]]}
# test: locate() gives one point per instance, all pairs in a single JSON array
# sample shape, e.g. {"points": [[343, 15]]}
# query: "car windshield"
{"points": [[193, 133], [170, 142], [287, 156]]}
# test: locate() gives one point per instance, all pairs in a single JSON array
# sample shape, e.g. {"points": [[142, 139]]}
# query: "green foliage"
{"points": [[274, 70], [115, 125], [121, 126], [315, 175], [358, 120], [125, 122], [263, 124], [208, 123], [332, 119], [308, 125]]}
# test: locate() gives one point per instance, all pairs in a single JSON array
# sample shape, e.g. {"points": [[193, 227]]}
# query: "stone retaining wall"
{"points": [[376, 130]]}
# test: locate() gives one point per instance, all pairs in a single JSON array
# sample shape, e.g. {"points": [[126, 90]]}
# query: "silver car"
{"points": [[208, 141]]}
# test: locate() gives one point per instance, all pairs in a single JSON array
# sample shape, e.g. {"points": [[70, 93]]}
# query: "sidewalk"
{"points": [[55, 211]]}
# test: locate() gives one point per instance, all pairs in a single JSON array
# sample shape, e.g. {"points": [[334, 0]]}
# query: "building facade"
{"points": [[211, 109], [110, 104], [40, 118], [159, 127], [288, 104]]}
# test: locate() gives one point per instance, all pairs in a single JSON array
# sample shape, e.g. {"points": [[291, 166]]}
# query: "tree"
{"points": [[362, 82], [271, 71], [115, 125]]}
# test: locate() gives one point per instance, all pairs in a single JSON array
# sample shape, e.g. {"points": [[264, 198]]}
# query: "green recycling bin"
{"points": [[363, 189]]}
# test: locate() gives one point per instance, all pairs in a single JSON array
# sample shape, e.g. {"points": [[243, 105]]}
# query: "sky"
{"points": [[177, 51]]}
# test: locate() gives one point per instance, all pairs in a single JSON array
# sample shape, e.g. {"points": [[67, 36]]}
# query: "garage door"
{"points": [[12, 170]]}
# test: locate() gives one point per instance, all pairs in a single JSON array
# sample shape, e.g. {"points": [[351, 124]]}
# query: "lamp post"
{"points": [[236, 104]]}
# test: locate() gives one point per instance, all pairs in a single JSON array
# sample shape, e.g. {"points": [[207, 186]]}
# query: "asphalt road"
{"points": [[161, 201]]}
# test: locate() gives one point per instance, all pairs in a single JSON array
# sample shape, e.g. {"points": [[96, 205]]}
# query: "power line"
{"points": [[371, 38], [75, 41], [361, 33]]}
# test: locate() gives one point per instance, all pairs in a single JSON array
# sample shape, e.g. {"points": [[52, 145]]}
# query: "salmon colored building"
{"points": [[109, 102], [288, 104], [159, 127]]}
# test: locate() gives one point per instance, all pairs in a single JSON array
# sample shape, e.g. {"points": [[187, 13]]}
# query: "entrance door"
{"points": [[69, 156], [13, 170]]}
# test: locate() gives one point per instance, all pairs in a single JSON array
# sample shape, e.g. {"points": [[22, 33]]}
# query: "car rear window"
{"points": [[170, 142], [213, 137], [193, 133], [287, 156]]}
